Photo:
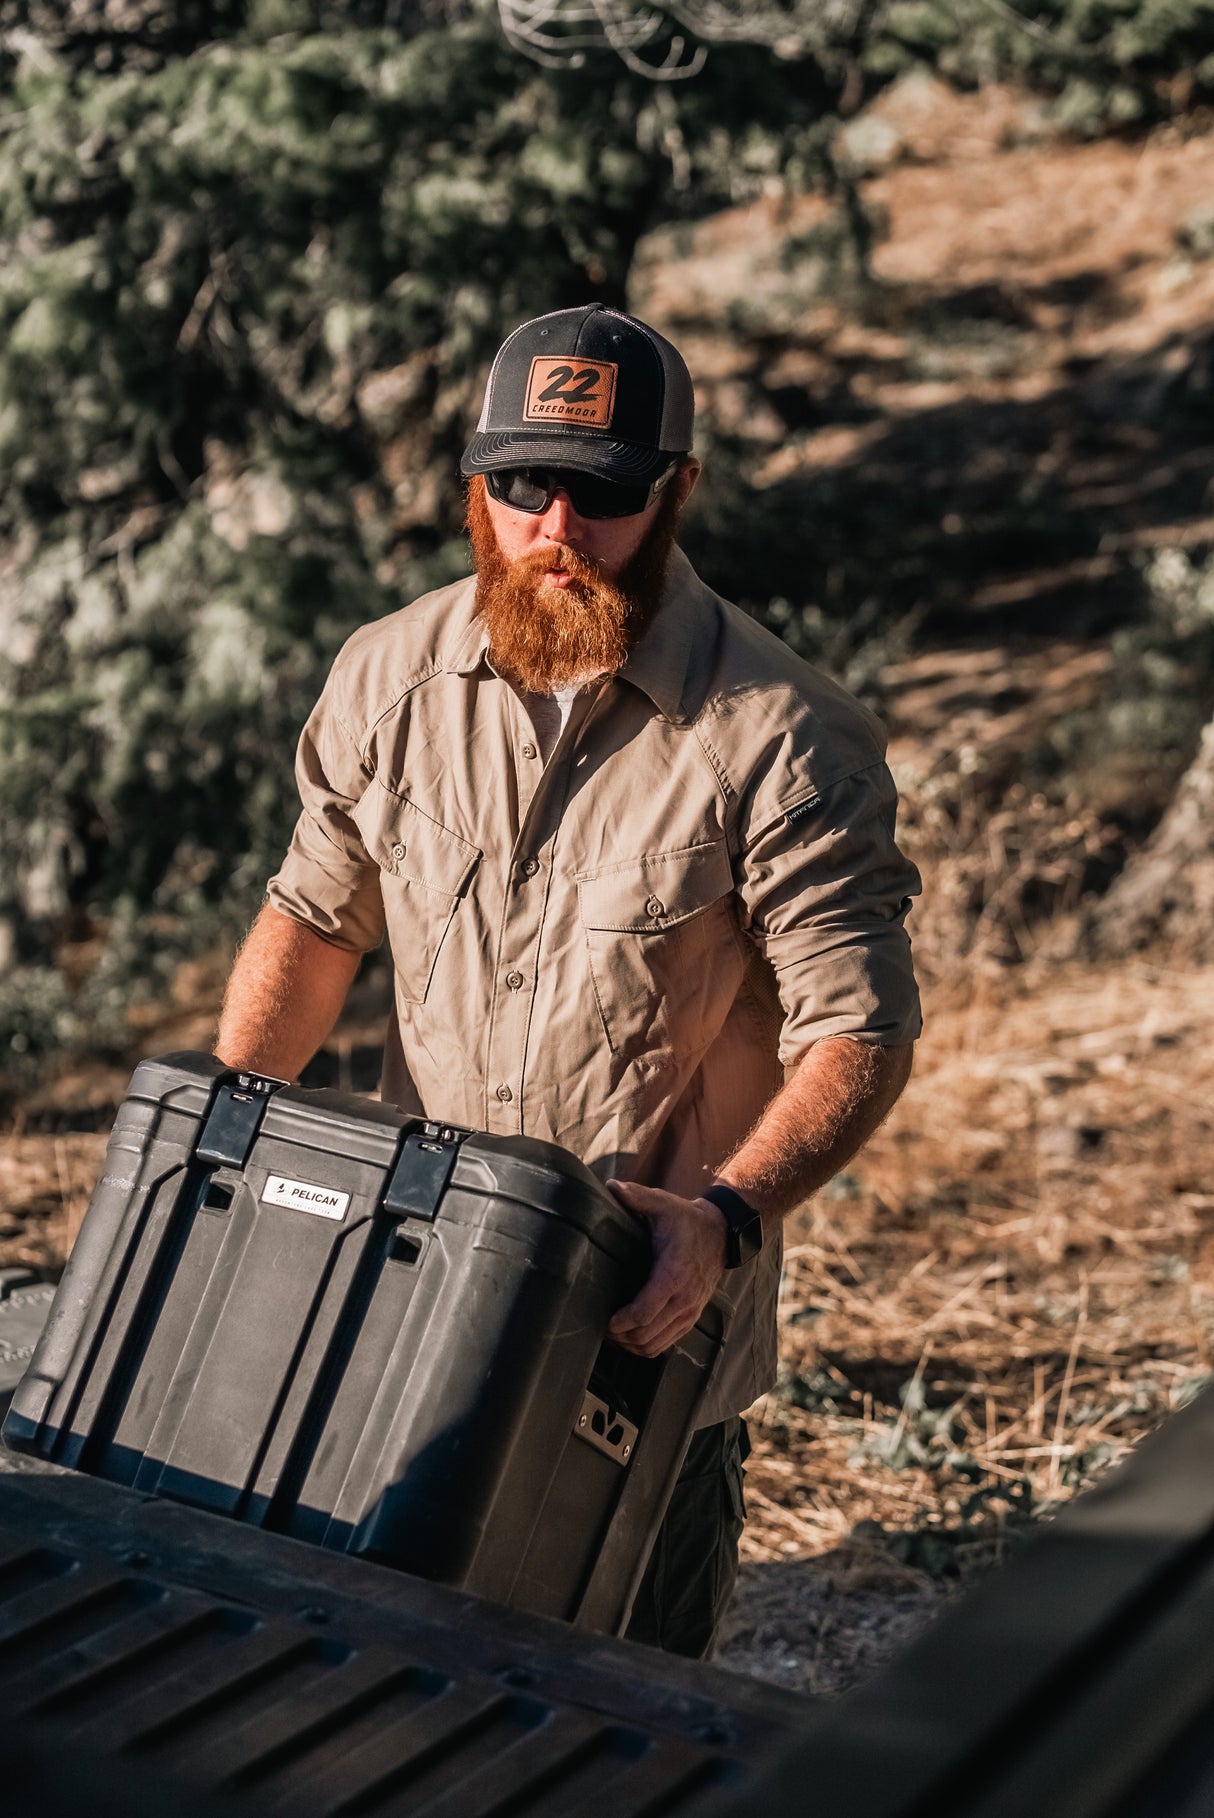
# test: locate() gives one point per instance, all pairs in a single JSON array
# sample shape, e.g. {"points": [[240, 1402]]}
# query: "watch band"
{"points": [[743, 1225]]}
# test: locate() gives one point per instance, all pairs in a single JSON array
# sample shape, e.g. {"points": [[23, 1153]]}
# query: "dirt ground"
{"points": [[1007, 1288], [1013, 1283], [1016, 1279]]}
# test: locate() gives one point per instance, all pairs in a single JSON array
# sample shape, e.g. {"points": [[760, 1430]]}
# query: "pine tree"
{"points": [[255, 256], [259, 257]]}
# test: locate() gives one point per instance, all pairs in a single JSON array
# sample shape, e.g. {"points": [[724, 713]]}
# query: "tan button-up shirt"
{"points": [[622, 949]]}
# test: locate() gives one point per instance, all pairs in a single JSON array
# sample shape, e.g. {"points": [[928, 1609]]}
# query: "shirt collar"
{"points": [[468, 648], [659, 665]]}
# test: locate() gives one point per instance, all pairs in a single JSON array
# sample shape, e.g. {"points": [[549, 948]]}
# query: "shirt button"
{"points": [[530, 867], [528, 750], [505, 1094], [655, 907], [398, 853], [514, 980]]}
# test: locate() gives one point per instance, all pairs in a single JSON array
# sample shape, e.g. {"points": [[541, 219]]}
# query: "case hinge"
{"points": [[234, 1120], [422, 1171]]}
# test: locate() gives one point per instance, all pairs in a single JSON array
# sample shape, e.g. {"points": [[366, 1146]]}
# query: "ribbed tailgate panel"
{"points": [[248, 1709]]}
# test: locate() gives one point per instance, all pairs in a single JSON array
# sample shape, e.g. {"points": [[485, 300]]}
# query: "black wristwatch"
{"points": [[743, 1226]]}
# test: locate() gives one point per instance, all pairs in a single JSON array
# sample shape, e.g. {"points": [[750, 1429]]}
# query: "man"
{"points": [[635, 862]]}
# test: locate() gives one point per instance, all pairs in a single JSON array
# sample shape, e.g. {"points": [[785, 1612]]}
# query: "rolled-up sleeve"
{"points": [[328, 880], [825, 893]]}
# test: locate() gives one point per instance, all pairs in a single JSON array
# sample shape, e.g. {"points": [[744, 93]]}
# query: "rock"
{"points": [[1196, 231], [868, 143]]}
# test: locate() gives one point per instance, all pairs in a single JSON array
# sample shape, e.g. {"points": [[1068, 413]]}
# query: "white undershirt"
{"points": [[550, 715]]}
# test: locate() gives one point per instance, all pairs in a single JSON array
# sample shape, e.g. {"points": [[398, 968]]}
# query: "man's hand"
{"points": [[688, 1257], [833, 1102]]}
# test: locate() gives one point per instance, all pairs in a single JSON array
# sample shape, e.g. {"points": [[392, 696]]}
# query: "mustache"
{"points": [[560, 559]]}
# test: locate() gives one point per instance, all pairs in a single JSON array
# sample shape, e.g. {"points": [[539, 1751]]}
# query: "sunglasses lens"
{"points": [[531, 489], [595, 498], [522, 488]]}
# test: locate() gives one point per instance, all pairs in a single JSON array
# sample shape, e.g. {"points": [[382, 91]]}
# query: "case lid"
{"points": [[539, 1175]]}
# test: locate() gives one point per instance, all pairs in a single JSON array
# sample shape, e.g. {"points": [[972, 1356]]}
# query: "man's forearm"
{"points": [[841, 1090], [831, 1105], [284, 996]]}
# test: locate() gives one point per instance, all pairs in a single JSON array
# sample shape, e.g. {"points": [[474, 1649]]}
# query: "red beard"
{"points": [[544, 638]]}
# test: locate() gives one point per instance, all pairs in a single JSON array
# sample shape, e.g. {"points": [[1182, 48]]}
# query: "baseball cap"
{"points": [[589, 388]]}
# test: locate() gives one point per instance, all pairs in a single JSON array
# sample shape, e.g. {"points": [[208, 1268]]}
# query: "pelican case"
{"points": [[322, 1317]]}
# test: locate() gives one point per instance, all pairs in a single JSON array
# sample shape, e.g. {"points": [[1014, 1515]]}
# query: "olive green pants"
{"points": [[694, 1562]]}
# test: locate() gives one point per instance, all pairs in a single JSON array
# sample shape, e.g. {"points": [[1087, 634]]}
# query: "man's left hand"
{"points": [[688, 1258]]}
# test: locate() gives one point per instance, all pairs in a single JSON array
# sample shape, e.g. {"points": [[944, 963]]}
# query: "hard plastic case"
{"points": [[316, 1315]]}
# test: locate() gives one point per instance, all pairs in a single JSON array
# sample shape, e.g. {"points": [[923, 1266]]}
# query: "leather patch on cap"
{"points": [[561, 390]]}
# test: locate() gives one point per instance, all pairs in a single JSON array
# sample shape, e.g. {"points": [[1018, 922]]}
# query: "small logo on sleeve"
{"points": [[571, 391], [802, 809], [303, 1196]]}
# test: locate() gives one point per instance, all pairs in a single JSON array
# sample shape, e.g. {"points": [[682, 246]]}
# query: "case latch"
{"points": [[234, 1120], [422, 1171]]}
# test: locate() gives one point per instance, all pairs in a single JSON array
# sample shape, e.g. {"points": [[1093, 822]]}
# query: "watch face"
{"points": [[747, 1239], [743, 1238], [743, 1226]]}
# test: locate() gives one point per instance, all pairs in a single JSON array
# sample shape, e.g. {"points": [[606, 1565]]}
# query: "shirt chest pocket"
{"points": [[664, 951], [424, 871]]}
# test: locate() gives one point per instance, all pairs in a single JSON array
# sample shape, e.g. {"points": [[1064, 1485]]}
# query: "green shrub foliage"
{"points": [[1102, 63], [255, 256], [259, 257]]}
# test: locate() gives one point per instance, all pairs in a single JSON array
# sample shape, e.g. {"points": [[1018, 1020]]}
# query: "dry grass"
{"points": [[45, 1184], [1028, 1243], [1010, 1286]]}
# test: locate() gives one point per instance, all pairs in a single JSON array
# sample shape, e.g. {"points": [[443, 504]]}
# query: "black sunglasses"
{"points": [[532, 489]]}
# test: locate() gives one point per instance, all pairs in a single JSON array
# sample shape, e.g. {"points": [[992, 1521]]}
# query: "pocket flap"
{"points": [[646, 895], [408, 844]]}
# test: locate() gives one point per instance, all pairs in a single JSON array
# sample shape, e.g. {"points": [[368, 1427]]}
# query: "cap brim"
{"points": [[624, 461]]}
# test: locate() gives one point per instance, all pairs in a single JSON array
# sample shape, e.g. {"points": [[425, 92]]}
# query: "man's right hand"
{"points": [[688, 1259]]}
